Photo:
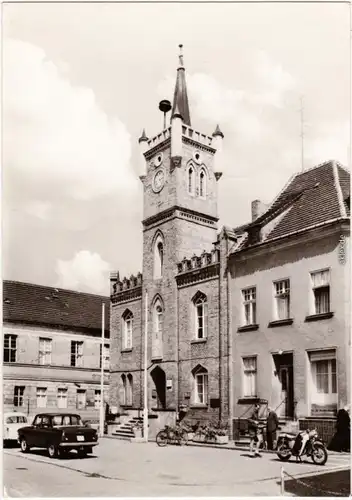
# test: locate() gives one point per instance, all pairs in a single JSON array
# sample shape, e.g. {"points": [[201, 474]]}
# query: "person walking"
{"points": [[255, 432], [272, 424]]}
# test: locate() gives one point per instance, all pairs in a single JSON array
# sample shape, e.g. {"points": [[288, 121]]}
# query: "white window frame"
{"points": [[10, 346], [77, 353], [320, 281], [45, 350], [41, 397], [201, 317], [250, 376], [81, 399], [249, 301], [282, 299], [127, 330], [318, 397], [97, 398], [62, 394], [201, 381], [18, 396]]}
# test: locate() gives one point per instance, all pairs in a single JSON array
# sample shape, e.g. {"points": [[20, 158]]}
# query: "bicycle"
{"points": [[171, 435]]}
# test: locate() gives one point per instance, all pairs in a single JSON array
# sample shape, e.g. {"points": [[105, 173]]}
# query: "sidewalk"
{"points": [[230, 446]]}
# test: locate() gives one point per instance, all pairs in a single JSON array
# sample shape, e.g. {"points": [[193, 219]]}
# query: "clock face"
{"points": [[158, 180]]}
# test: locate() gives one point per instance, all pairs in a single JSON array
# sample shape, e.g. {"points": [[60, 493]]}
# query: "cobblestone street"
{"points": [[121, 468]]}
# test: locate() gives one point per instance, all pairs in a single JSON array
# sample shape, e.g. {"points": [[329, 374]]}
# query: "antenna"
{"points": [[165, 107], [302, 134]]}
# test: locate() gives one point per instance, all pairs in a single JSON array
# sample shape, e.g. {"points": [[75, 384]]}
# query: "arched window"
{"points": [[190, 180], [200, 392], [201, 315], [127, 329], [202, 183], [158, 316], [158, 257], [123, 389], [129, 395]]}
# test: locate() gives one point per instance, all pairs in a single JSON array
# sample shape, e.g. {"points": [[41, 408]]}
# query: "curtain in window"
{"points": [[250, 376]]}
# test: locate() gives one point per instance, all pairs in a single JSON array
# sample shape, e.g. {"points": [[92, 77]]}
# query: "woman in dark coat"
{"points": [[342, 437]]}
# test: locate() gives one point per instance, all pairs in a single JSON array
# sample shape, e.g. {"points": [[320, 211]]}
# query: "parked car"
{"points": [[12, 422], [59, 433]]}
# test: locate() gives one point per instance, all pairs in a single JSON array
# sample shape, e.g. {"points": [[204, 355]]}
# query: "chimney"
{"points": [[258, 208]]}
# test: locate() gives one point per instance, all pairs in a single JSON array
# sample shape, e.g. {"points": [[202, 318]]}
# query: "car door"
{"points": [[32, 433], [45, 431]]}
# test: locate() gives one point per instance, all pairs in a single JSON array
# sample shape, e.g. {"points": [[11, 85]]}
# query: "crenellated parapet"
{"points": [[198, 267], [126, 289]]}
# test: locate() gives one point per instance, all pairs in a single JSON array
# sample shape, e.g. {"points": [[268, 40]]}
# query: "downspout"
{"points": [[230, 348]]}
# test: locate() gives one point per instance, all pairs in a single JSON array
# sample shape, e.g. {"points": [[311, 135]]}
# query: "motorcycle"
{"points": [[290, 445]]}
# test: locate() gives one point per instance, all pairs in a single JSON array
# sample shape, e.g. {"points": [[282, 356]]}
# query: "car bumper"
{"points": [[78, 445]]}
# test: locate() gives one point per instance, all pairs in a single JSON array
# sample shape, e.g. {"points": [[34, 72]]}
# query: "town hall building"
{"points": [[234, 316]]}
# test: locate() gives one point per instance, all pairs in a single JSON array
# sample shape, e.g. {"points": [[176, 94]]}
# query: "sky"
{"points": [[81, 81]]}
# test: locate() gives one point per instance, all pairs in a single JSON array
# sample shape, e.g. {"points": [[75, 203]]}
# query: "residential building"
{"points": [[258, 312], [52, 349]]}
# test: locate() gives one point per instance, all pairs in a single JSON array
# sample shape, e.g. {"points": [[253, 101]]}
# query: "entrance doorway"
{"points": [[284, 374], [159, 379]]}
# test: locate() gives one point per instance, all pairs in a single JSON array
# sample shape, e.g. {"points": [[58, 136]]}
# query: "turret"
{"points": [[218, 138], [143, 147]]}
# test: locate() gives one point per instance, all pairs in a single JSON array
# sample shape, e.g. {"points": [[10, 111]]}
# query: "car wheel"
{"points": [[52, 451], [24, 446]]}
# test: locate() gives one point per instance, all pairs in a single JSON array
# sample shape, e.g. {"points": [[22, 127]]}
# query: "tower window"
{"points": [[158, 257], [191, 180], [127, 330], [202, 184], [201, 315], [157, 341]]}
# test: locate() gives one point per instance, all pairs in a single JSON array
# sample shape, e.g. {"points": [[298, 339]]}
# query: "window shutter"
{"points": [[321, 355]]}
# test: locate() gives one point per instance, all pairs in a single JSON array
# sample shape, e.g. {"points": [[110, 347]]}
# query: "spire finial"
{"points": [[180, 102], [181, 55]]}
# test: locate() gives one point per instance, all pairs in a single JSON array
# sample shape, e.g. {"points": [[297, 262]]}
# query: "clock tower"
{"points": [[179, 173]]}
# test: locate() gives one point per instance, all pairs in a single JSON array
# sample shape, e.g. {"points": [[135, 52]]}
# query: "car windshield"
{"points": [[66, 420], [16, 419]]}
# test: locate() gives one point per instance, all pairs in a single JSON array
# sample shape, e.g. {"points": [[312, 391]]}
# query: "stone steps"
{"points": [[125, 429]]}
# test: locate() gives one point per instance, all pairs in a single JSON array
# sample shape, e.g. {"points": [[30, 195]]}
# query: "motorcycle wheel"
{"points": [[319, 454], [283, 452], [161, 438], [184, 438]]}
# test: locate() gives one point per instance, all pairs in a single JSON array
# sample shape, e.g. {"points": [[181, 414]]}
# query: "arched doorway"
{"points": [[159, 379]]}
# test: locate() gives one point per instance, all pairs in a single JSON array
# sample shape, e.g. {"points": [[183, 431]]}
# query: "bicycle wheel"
{"points": [[183, 438], [161, 438]]}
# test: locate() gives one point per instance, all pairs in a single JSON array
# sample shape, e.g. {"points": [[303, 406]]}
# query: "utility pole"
{"points": [[101, 419]]}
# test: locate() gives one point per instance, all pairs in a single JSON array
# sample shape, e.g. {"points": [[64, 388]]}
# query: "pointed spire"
{"points": [[180, 104], [143, 137], [218, 132]]}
